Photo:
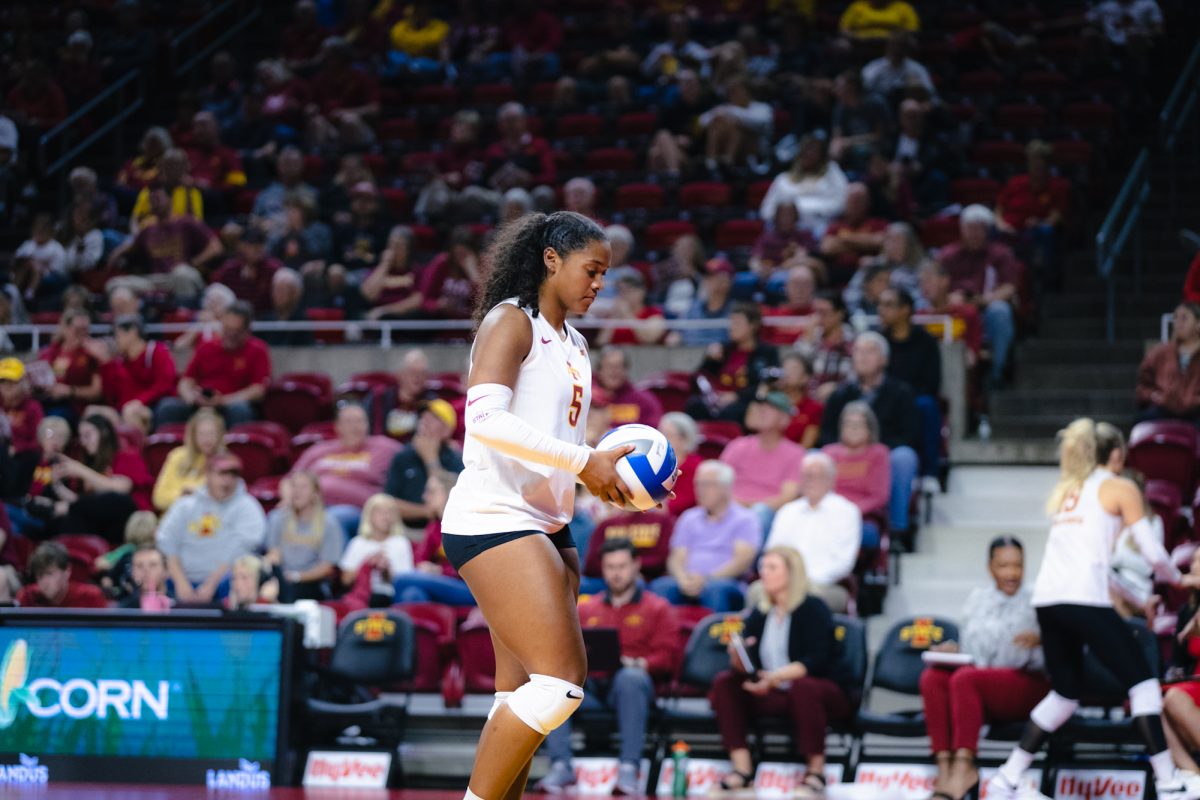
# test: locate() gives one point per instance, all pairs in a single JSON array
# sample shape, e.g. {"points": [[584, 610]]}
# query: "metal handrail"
{"points": [[60, 131], [1126, 212], [1172, 119], [353, 329], [187, 38]]}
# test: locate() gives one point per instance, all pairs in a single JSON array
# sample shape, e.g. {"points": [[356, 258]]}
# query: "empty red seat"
{"points": [[974, 190], [420, 163], [441, 95], [579, 126], [493, 94], [83, 549], [542, 94], [1072, 152], [704, 194], [996, 153], [1088, 116], [436, 625], [672, 393], [737, 233], [327, 315], [939, 231], [610, 159], [726, 429], [396, 199], [755, 193], [1164, 497], [266, 491], [278, 434], [295, 405], [158, 446], [1021, 117], [257, 452], [320, 380], [376, 162], [640, 195], [637, 123], [399, 129], [662, 235], [425, 237], [476, 655], [1165, 450], [982, 81], [314, 167]]}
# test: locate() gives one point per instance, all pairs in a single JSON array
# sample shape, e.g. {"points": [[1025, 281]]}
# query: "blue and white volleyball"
{"points": [[648, 471]]}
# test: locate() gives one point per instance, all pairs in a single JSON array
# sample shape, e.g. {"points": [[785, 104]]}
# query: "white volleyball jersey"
{"points": [[1075, 568], [497, 493]]}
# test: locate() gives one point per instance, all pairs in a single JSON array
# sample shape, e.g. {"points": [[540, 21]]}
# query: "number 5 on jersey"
{"points": [[576, 397]]}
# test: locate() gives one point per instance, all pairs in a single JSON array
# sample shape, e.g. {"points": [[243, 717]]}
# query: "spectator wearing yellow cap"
{"points": [[429, 453], [22, 411], [350, 468]]}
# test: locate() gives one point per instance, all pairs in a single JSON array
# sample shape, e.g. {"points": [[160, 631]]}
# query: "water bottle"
{"points": [[679, 760], [985, 429]]}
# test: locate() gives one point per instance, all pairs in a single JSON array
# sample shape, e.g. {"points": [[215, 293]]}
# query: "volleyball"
{"points": [[648, 471]]}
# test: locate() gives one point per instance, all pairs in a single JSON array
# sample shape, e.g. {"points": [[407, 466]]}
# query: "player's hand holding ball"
{"points": [[600, 476], [645, 464]]}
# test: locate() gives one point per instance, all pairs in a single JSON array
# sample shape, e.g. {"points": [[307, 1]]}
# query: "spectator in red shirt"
{"points": [[519, 159], [795, 381], [852, 236], [864, 469], [141, 374], [300, 44], [532, 37], [142, 170], [985, 274], [350, 468], [345, 99], [934, 298], [1168, 383], [626, 403], [98, 493], [229, 374], [780, 242], [214, 166], [450, 283], [53, 588], [22, 411], [392, 286], [649, 634], [36, 102], [249, 274], [168, 252], [684, 435], [452, 191], [1034, 207], [434, 579], [76, 371], [630, 303]]}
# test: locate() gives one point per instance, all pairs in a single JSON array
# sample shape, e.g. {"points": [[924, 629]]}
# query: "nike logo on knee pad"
{"points": [[574, 696]]}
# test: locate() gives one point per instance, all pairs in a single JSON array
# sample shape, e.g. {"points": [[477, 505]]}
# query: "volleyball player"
{"points": [[1089, 507], [505, 524]]}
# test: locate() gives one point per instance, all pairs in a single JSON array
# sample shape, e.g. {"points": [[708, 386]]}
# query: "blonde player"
{"points": [[1089, 507], [505, 524]]}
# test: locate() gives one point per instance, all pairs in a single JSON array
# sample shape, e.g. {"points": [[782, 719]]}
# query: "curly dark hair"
{"points": [[514, 261]]}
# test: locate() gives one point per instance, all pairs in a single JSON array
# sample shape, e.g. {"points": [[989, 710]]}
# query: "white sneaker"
{"points": [[999, 788], [1182, 786], [930, 485]]}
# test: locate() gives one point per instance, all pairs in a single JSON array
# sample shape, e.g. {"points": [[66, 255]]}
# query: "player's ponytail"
{"points": [[1076, 459], [515, 262]]}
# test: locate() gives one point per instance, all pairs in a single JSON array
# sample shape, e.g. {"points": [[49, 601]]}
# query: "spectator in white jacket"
{"points": [[203, 533], [84, 241], [824, 527], [737, 131], [815, 184]]}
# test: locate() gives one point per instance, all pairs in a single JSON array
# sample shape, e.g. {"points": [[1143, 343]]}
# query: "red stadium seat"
{"points": [[266, 491], [637, 123], [396, 199], [314, 167], [542, 94], [640, 195], [399, 129], [493, 94], [998, 154], [939, 231], [1164, 497], [1021, 117], [705, 194], [725, 429], [311, 434], [277, 433], [610, 159], [974, 190], [733, 233], [320, 380], [476, 655], [376, 162], [755, 193], [672, 393], [440, 95], [158, 445], [420, 163], [579, 126], [711, 446], [650, 532], [425, 237], [83, 549], [1165, 450], [435, 627], [243, 203], [256, 451], [295, 405], [327, 315], [662, 235], [981, 82], [1043, 81], [1088, 116], [1071, 152]]}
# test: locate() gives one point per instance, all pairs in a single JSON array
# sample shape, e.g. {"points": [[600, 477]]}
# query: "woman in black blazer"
{"points": [[789, 637]]}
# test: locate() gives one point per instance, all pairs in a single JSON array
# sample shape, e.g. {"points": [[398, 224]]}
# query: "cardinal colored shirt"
{"points": [[225, 371], [761, 472], [147, 378], [350, 476], [629, 404], [864, 477], [23, 419], [647, 626], [79, 595], [252, 283], [807, 417], [1022, 202], [130, 465], [165, 245], [430, 549]]}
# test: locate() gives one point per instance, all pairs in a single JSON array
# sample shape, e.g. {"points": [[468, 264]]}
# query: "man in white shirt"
{"points": [[895, 70], [825, 528]]}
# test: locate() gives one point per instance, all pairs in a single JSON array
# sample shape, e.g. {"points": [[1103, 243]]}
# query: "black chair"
{"points": [[375, 649], [898, 668], [849, 668]]}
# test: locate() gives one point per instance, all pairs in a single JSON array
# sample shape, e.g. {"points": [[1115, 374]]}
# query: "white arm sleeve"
{"points": [[1153, 550], [490, 421]]}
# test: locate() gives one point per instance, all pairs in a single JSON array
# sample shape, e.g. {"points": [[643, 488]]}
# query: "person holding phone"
{"points": [[788, 644]]}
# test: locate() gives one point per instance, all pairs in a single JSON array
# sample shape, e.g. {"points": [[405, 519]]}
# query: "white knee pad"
{"points": [[501, 699], [1053, 711], [1145, 698], [545, 702]]}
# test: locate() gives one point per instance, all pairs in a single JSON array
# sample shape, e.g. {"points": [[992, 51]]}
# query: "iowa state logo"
{"points": [[374, 627], [922, 633], [726, 628]]}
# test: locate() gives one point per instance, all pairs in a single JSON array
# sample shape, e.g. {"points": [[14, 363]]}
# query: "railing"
{"points": [[1122, 220], [354, 330], [1176, 114], [111, 120], [194, 44]]}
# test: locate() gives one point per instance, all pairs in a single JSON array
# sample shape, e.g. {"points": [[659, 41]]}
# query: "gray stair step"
{"points": [[1014, 403], [1132, 327], [1151, 282], [1079, 375], [1040, 351], [1095, 304], [1045, 426], [1004, 451]]}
